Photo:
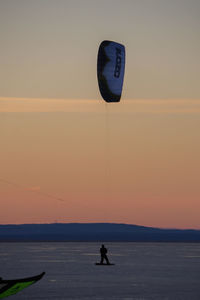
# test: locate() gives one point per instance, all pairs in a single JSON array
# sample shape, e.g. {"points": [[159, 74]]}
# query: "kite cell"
{"points": [[110, 70], [11, 287]]}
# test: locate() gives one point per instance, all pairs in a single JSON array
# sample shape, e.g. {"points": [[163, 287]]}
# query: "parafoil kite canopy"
{"points": [[110, 70], [11, 287]]}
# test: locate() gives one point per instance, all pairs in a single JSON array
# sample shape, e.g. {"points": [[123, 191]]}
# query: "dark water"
{"points": [[142, 270]]}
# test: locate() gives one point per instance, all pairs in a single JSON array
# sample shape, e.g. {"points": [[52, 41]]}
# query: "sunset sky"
{"points": [[66, 155]]}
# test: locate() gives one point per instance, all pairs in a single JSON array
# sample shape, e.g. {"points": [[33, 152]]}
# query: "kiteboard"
{"points": [[11, 287], [99, 264]]}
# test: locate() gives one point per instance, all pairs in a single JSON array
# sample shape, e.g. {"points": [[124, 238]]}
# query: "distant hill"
{"points": [[94, 232]]}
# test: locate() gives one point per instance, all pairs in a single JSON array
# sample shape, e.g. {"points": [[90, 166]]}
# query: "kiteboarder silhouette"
{"points": [[103, 252]]}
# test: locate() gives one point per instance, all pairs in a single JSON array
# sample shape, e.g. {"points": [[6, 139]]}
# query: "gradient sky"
{"points": [[65, 155]]}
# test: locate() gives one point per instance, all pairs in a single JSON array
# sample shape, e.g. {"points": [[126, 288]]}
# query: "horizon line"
{"points": [[113, 223]]}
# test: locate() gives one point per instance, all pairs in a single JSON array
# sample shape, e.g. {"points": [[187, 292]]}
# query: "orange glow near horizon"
{"points": [[136, 162]]}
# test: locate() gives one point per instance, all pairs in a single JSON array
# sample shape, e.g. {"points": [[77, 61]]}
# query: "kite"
{"points": [[110, 70], [11, 287]]}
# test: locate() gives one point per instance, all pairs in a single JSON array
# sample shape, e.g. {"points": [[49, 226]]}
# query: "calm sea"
{"points": [[142, 270]]}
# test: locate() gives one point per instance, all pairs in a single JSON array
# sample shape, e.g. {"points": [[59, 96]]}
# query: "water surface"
{"points": [[142, 271]]}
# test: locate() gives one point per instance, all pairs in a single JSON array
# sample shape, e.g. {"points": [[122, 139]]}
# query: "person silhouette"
{"points": [[103, 252]]}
